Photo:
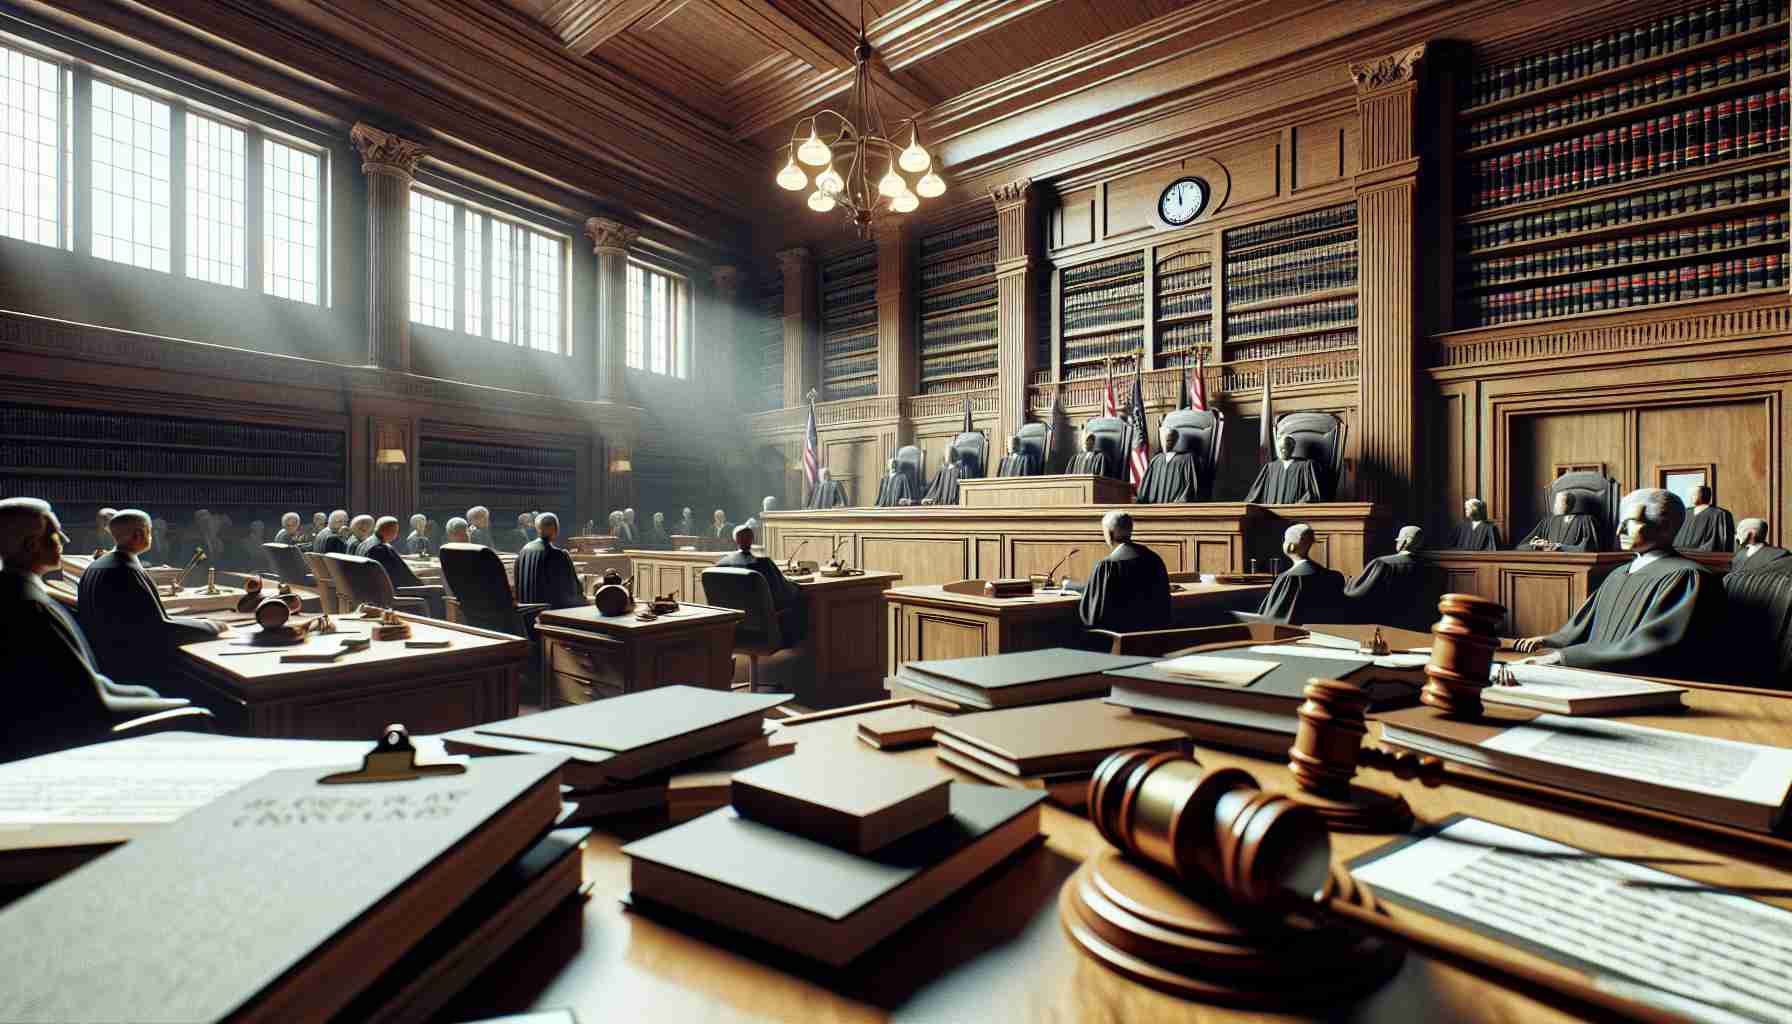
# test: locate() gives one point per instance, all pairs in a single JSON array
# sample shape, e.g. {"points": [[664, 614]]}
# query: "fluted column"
{"points": [[802, 349], [896, 355], [390, 163], [722, 355], [609, 242], [1389, 287], [1017, 278]]}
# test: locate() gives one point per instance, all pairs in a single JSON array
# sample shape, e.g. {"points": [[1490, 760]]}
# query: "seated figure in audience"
{"points": [[1707, 527], [457, 531], [479, 525], [318, 522], [1566, 530], [944, 488], [1172, 476], [46, 666], [829, 493], [333, 538], [1474, 533], [786, 596], [1662, 615], [102, 533], [121, 611], [615, 528], [525, 527], [1306, 591], [634, 527], [418, 541], [1129, 590], [544, 571], [250, 557], [1091, 461], [895, 488], [1398, 589], [1019, 461], [757, 522], [687, 524], [619, 529], [1752, 549], [1286, 481], [217, 548], [291, 530], [657, 537], [361, 536], [161, 543], [384, 550], [719, 526]]}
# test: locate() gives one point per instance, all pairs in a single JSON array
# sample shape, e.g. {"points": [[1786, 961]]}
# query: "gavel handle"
{"points": [[1564, 993]]}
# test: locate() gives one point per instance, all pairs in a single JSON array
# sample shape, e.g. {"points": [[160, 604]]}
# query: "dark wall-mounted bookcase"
{"points": [[453, 476], [956, 278], [1291, 285], [849, 325], [766, 350]]}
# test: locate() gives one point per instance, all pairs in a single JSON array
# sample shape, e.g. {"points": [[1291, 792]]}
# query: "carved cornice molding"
{"points": [[1010, 194], [1631, 333], [1394, 69], [610, 236], [385, 153], [726, 278]]}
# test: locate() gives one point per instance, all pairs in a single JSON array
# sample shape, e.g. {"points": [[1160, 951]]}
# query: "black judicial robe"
{"points": [[480, 535], [1171, 477], [1285, 483], [1089, 464], [329, 542], [1574, 532], [1398, 590], [1307, 592], [1711, 530], [828, 494], [545, 574], [689, 528], [397, 569], [657, 540], [722, 532], [1470, 536], [1128, 591], [417, 544], [1022, 463], [892, 490], [121, 612], [1666, 619], [944, 489], [1765, 555], [786, 596]]}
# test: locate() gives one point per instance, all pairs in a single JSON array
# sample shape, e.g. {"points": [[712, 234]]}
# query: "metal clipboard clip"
{"points": [[393, 759]]}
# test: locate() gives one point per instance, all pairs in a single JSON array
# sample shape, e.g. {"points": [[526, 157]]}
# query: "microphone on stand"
{"points": [[790, 560], [1052, 573]]}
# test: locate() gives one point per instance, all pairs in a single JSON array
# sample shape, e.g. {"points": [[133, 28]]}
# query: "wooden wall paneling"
{"points": [[1735, 436], [1073, 218], [857, 462], [1539, 602], [1323, 151], [802, 352], [1017, 269], [920, 556], [1538, 442], [897, 359]]}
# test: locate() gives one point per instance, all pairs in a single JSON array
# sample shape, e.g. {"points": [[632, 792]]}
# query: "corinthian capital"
{"points": [[611, 236], [385, 153], [1393, 69], [1011, 193]]}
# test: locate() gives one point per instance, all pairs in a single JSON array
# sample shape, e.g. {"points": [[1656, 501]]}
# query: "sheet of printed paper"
{"points": [[1702, 764]]}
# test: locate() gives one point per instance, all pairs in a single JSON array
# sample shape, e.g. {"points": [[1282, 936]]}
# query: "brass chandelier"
{"points": [[834, 138]]}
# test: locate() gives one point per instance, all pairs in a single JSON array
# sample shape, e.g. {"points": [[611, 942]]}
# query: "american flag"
{"points": [[1141, 436], [1109, 407], [811, 446], [1197, 385]]}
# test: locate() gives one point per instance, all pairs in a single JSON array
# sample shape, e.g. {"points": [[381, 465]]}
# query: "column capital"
{"points": [[385, 153], [794, 259], [1394, 69], [610, 236], [1011, 193], [726, 278]]}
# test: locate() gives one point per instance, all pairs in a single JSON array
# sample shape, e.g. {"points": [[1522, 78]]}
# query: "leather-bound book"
{"points": [[855, 810], [1010, 680], [898, 727], [280, 901], [1052, 738]]}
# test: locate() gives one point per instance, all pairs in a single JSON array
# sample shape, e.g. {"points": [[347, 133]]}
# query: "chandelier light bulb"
{"points": [[914, 159], [813, 151], [820, 202], [891, 184], [905, 203], [829, 181], [931, 185], [792, 177]]}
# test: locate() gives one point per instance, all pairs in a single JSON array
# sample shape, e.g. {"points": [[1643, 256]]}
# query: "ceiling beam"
{"points": [[802, 93], [807, 29], [585, 25], [920, 29]]}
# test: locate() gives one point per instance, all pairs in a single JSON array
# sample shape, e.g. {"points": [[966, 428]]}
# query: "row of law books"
{"points": [[151, 492], [849, 297], [1626, 291], [1101, 270], [1186, 304], [833, 392], [947, 332], [832, 322], [1682, 80], [440, 474], [1102, 346], [976, 231], [960, 268], [1197, 333], [498, 454], [1260, 279], [20, 421], [849, 365], [1309, 316], [1131, 292], [848, 266], [1329, 341], [958, 362], [1636, 208], [1731, 129], [1329, 219], [1667, 34], [850, 345], [956, 385], [103, 457], [958, 300], [1116, 311], [1655, 245], [1184, 280]]}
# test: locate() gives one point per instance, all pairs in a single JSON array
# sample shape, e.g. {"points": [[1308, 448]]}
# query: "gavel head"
{"points": [[1214, 830]]}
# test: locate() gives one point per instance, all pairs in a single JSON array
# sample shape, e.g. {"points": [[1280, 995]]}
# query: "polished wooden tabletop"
{"points": [[589, 619]]}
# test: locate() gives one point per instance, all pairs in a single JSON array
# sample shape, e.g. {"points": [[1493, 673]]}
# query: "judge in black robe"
{"points": [[944, 489], [657, 538], [1662, 615], [1566, 530], [1707, 527], [1400, 589], [1752, 549], [895, 488], [121, 611], [1286, 481], [787, 597], [687, 525], [828, 492], [1018, 461], [1172, 475], [756, 523], [1129, 590], [1091, 461], [1474, 533], [420, 540], [544, 572], [719, 527], [1306, 591], [479, 527]]}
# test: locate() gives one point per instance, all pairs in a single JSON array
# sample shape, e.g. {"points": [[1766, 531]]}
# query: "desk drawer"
{"points": [[570, 689], [579, 661]]}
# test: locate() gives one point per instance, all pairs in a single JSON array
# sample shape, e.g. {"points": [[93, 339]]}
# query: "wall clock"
{"points": [[1182, 201]]}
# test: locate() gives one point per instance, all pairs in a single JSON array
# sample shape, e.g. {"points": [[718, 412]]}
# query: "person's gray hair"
{"points": [[476, 511], [108, 513], [1661, 509], [292, 517], [418, 519], [1756, 524], [1479, 506], [128, 521], [1293, 535], [362, 520], [338, 517], [379, 527], [1410, 538], [742, 529], [23, 522], [770, 504], [1117, 524], [456, 524], [546, 519]]}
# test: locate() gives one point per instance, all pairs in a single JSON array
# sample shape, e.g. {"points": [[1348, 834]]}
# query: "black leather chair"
{"points": [[1319, 437], [972, 447], [1759, 625], [913, 461], [764, 630], [1110, 438], [365, 581], [287, 563], [1036, 437], [1200, 433], [1593, 494], [476, 577]]}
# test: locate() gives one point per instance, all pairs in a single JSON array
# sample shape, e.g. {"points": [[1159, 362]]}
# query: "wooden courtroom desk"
{"points": [[253, 694], [996, 952], [1540, 589], [943, 544], [841, 658], [930, 622], [590, 656], [1056, 491]]}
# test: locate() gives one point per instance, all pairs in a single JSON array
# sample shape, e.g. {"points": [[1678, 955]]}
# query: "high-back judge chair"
{"points": [[288, 563], [1036, 437], [1759, 624], [476, 576], [1593, 494], [1199, 432], [329, 592], [972, 447], [913, 461], [364, 581], [1110, 439], [764, 632], [1319, 438]]}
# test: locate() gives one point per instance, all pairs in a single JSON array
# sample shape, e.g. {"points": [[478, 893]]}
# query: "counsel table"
{"points": [[590, 656]]}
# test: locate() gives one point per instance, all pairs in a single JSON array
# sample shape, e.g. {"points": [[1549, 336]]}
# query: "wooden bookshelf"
{"points": [[1290, 285], [956, 276], [1101, 314], [849, 325], [454, 475], [767, 351], [1182, 311]]}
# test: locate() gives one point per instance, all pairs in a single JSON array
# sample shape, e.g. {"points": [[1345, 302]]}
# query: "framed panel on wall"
{"points": [[1682, 479]]}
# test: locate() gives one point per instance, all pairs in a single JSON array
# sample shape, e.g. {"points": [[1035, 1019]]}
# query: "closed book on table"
{"points": [[899, 727], [1073, 736], [857, 810], [1278, 690], [1024, 677], [1572, 691], [629, 736], [1068, 788], [280, 901], [817, 900], [676, 784]]}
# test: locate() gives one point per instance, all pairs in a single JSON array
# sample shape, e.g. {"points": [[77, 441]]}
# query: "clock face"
{"points": [[1183, 201]]}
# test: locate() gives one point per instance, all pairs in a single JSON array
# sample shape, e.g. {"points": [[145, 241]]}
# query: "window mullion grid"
{"points": [[82, 146], [460, 268], [177, 190], [486, 295], [525, 264], [254, 199]]}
